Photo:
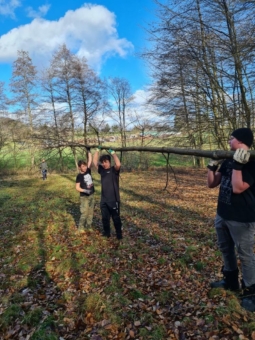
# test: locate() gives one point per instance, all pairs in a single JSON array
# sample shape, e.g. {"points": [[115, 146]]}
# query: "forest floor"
{"points": [[57, 283]]}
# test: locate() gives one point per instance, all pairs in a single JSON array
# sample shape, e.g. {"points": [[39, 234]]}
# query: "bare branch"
{"points": [[216, 154]]}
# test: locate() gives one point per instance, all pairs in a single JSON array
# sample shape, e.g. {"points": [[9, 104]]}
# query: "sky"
{"points": [[109, 33]]}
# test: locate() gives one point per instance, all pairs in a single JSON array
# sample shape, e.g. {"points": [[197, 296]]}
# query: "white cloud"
{"points": [[42, 11], [141, 96], [89, 31], [142, 111], [7, 7]]}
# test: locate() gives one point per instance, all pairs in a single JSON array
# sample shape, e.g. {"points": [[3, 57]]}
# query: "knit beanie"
{"points": [[244, 135]]}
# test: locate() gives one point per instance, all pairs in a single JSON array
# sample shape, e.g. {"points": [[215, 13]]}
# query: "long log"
{"points": [[215, 154]]}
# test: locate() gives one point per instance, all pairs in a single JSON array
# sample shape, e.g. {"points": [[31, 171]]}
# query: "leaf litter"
{"points": [[56, 283]]}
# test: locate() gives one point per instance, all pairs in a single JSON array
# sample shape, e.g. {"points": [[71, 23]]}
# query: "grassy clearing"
{"points": [[57, 283]]}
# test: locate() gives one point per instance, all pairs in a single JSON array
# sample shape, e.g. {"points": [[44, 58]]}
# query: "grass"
{"points": [[199, 266], [33, 317], [45, 330], [56, 282], [12, 313]]}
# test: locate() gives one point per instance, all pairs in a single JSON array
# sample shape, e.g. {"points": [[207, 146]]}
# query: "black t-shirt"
{"points": [[237, 207], [86, 182], [109, 184]]}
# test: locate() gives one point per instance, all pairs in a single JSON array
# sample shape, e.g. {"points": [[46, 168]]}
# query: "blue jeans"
{"points": [[237, 235], [44, 174]]}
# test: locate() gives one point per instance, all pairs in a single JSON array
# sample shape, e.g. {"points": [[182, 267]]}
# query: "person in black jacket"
{"points": [[110, 196], [235, 219]]}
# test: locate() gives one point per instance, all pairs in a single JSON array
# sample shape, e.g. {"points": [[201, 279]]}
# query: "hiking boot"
{"points": [[229, 281], [248, 298]]}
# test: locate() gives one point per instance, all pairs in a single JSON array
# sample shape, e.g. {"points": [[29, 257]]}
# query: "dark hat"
{"points": [[244, 135]]}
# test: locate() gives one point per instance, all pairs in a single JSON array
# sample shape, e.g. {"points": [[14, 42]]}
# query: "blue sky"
{"points": [[109, 33]]}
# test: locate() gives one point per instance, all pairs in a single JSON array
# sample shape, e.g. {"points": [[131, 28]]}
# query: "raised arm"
{"points": [[213, 177], [89, 156], [96, 157], [117, 164]]}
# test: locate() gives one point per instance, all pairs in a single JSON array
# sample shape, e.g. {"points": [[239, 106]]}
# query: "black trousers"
{"points": [[111, 210]]}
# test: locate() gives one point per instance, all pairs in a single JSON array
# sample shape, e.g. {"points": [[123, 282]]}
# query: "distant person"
{"points": [[110, 196], [235, 219], [85, 186], [44, 169]]}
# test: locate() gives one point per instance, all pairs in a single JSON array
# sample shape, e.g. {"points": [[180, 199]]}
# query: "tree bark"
{"points": [[216, 154]]}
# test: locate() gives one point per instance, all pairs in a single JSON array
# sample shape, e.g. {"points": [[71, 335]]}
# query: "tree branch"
{"points": [[216, 154]]}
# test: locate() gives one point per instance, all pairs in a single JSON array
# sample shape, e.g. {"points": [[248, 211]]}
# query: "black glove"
{"points": [[87, 148]]}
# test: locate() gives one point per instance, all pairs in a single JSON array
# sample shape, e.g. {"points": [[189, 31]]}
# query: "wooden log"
{"points": [[215, 154]]}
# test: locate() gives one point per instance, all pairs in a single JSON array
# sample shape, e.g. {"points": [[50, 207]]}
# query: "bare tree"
{"points": [[120, 91], [62, 66], [201, 60], [90, 94], [3, 107], [3, 98], [23, 87], [52, 131]]}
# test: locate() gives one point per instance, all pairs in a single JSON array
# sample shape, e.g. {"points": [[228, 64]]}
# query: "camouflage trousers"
{"points": [[87, 210]]}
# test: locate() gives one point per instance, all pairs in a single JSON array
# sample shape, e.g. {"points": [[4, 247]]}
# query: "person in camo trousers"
{"points": [[235, 219], [85, 186], [110, 196]]}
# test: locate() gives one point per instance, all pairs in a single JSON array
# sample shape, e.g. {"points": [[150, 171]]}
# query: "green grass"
{"points": [[33, 318], [10, 315], [45, 330], [159, 160], [199, 266]]}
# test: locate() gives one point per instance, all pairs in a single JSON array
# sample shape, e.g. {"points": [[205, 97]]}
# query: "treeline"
{"points": [[201, 57], [202, 61], [61, 103]]}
